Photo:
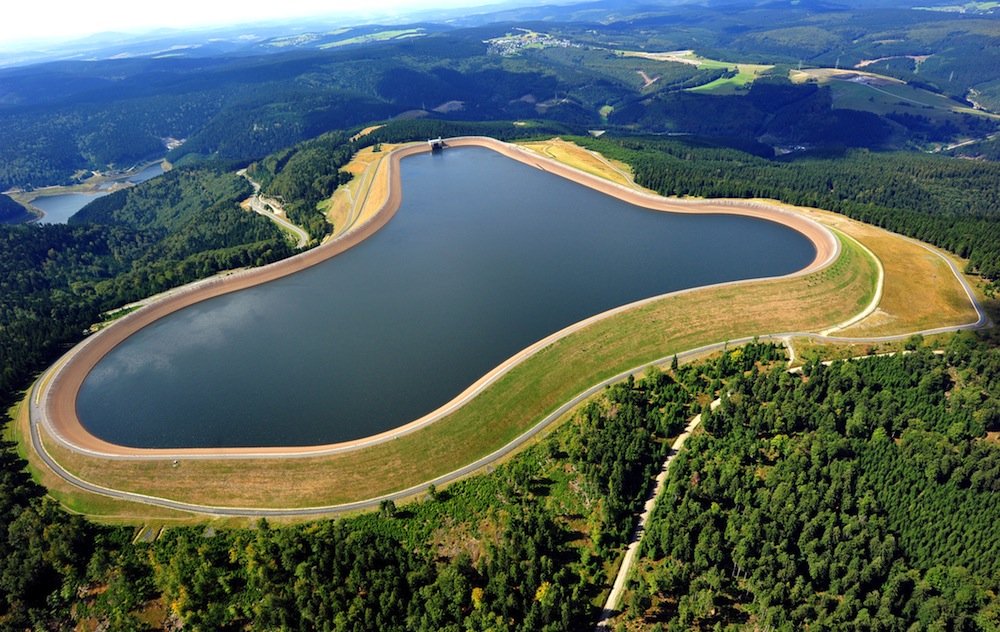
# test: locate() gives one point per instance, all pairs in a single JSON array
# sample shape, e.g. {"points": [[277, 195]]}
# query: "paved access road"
{"points": [[262, 205]]}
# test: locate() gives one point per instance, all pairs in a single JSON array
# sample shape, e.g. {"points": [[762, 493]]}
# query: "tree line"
{"points": [[58, 279], [308, 173], [949, 203]]}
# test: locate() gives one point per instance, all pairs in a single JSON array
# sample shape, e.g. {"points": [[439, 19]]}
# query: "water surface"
{"points": [[148, 173], [485, 257], [59, 208]]}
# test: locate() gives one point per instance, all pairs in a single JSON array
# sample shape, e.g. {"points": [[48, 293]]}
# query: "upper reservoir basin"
{"points": [[484, 257]]}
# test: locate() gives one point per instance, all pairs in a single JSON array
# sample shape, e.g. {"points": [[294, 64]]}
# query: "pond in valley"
{"points": [[58, 208]]}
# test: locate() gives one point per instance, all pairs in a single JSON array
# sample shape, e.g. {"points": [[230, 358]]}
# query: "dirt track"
{"points": [[59, 388]]}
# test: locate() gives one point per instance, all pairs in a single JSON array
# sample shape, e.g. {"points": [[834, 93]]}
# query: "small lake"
{"points": [[59, 208], [150, 172], [485, 257]]}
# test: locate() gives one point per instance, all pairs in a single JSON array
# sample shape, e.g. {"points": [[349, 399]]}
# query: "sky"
{"points": [[40, 21]]}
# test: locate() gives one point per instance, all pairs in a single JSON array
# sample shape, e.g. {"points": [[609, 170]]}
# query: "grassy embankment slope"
{"points": [[553, 376], [355, 202]]}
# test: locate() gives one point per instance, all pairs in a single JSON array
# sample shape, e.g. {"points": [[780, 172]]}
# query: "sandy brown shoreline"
{"points": [[61, 385]]}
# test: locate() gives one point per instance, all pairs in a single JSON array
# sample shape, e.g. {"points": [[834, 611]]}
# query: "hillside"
{"points": [[241, 102], [855, 494], [859, 495]]}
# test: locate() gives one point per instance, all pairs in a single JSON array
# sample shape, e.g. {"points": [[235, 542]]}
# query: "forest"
{"points": [[950, 203], [859, 495], [309, 172], [524, 547], [58, 279], [120, 112], [242, 104], [856, 495], [11, 212], [528, 545]]}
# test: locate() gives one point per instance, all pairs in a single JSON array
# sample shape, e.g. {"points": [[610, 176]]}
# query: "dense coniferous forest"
{"points": [[245, 101], [860, 495], [776, 110], [555, 515], [58, 279], [521, 548], [11, 212]]}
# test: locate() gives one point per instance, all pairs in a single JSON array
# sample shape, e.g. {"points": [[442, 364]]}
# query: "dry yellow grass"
{"points": [[363, 195], [376, 189], [921, 291], [806, 349], [583, 159], [366, 131], [78, 501]]}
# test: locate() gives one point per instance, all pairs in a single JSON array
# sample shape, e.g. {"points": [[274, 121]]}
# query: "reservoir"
{"points": [[484, 257], [148, 173], [59, 208]]}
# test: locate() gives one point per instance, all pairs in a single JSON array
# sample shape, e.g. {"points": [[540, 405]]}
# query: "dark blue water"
{"points": [[484, 257]]}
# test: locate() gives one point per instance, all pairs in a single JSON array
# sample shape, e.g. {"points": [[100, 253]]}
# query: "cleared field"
{"points": [[678, 57], [860, 90], [968, 7], [381, 36], [366, 131], [745, 73], [807, 349]]}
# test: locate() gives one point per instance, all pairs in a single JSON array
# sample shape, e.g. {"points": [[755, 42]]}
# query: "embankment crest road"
{"points": [[52, 399]]}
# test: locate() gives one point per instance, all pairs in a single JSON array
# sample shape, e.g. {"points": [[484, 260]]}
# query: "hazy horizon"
{"points": [[40, 25]]}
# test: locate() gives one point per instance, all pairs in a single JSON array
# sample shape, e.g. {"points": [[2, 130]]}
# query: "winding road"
{"points": [[262, 205]]}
